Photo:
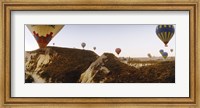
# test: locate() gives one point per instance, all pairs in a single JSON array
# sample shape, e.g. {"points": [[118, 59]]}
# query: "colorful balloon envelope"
{"points": [[165, 33], [118, 50], [165, 55], [44, 33]]}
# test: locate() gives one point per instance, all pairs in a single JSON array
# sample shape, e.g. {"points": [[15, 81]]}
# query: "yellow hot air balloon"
{"points": [[44, 33]]}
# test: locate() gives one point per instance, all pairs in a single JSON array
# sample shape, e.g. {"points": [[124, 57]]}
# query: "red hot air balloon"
{"points": [[118, 50], [44, 33]]}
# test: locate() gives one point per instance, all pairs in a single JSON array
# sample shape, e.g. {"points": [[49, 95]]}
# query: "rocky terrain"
{"points": [[54, 64], [66, 65]]}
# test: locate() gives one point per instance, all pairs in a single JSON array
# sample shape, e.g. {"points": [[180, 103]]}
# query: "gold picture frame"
{"points": [[154, 5]]}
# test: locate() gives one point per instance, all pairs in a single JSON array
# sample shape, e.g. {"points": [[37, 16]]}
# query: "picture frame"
{"points": [[119, 5]]}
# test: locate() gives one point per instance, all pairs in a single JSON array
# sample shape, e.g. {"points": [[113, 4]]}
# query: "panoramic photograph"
{"points": [[100, 53]]}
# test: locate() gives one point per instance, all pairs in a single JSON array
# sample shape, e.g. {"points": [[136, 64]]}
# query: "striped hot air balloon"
{"points": [[165, 33], [44, 33]]}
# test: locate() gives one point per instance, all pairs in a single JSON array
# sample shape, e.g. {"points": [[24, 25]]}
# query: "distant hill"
{"points": [[68, 65], [143, 59]]}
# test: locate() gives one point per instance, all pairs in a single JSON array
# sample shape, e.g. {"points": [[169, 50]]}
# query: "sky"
{"points": [[134, 40]]}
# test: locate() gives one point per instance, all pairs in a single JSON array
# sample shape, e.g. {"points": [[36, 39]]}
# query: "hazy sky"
{"points": [[134, 40]]}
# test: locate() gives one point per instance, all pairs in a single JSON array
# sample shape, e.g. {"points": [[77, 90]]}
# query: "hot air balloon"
{"points": [[164, 54], [171, 50], [53, 43], [149, 55], [161, 51], [118, 50], [83, 44], [165, 33], [94, 48], [44, 33]]}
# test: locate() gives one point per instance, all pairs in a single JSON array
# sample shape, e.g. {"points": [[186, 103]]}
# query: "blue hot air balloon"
{"points": [[161, 51], [165, 55], [165, 33]]}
